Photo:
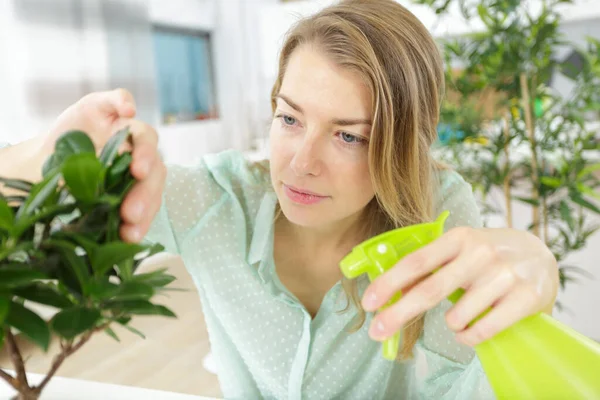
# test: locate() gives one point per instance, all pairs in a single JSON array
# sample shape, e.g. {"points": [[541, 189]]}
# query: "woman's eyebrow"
{"points": [[290, 102], [335, 121]]}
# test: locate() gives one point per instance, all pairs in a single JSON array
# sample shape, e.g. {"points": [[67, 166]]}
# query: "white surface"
{"points": [[60, 388], [191, 14]]}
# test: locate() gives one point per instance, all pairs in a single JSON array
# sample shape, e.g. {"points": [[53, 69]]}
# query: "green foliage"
{"points": [[60, 247], [548, 164]]}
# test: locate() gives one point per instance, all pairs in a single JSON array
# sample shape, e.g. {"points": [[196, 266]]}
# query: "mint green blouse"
{"points": [[218, 216]]}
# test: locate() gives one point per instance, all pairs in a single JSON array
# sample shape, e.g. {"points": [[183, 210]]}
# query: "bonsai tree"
{"points": [[60, 247], [509, 133]]}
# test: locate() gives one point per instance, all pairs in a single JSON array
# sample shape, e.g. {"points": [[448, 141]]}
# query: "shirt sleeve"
{"points": [[189, 194], [445, 369]]}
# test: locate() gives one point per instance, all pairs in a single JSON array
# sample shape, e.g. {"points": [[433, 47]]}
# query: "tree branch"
{"points": [[68, 350], [9, 378], [15, 356]]}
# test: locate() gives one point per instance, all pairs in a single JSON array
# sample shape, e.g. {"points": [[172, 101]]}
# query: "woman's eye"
{"points": [[289, 120], [348, 138]]}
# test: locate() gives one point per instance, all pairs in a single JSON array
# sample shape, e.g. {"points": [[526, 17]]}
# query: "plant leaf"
{"points": [[551, 181], [39, 194], [584, 203], [17, 184], [4, 308], [533, 202], [134, 331], [110, 254], [102, 289], [76, 263], [155, 279], [140, 307], [71, 142], [83, 175], [14, 275], [29, 323], [134, 291], [44, 294], [111, 148], [565, 213], [7, 216], [74, 321], [116, 170], [588, 170], [112, 334]]}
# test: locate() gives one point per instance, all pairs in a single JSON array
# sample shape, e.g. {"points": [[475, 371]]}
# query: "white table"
{"points": [[60, 388]]}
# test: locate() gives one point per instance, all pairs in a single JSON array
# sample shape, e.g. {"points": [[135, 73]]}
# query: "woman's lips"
{"points": [[301, 196]]}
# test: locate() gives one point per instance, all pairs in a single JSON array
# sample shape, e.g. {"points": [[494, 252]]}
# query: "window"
{"points": [[185, 78]]}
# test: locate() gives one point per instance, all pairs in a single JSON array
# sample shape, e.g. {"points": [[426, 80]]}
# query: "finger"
{"points": [[119, 102], [145, 149], [512, 308], [480, 296], [414, 267], [426, 295], [143, 196]]}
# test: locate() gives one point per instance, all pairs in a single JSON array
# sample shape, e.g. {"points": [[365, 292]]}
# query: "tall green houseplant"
{"points": [[510, 133]]}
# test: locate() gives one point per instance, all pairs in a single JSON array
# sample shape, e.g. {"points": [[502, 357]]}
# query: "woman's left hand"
{"points": [[511, 270]]}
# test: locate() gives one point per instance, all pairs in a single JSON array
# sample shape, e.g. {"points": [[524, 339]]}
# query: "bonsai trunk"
{"points": [[27, 395], [535, 195], [507, 194]]}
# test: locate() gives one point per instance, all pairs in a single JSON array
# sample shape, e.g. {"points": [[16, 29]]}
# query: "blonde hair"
{"points": [[399, 61]]}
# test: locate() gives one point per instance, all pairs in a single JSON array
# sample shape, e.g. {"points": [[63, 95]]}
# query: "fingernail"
{"points": [[377, 330], [369, 301]]}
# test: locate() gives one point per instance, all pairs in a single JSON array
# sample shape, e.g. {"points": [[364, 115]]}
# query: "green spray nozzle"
{"points": [[380, 253]]}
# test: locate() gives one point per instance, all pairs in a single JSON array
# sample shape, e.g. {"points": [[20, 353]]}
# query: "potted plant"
{"points": [[60, 247], [512, 135]]}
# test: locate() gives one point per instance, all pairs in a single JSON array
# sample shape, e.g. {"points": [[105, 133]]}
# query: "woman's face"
{"points": [[319, 141]]}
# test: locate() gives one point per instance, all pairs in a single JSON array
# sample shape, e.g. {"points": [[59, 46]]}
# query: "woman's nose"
{"points": [[307, 161]]}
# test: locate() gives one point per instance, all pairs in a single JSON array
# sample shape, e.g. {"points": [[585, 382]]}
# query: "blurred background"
{"points": [[201, 72]]}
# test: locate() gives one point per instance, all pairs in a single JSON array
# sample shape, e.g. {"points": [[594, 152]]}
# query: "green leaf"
{"points": [[588, 170], [111, 148], [83, 175], [551, 182], [4, 308], [588, 190], [75, 263], [39, 194], [71, 142], [565, 213], [44, 294], [74, 321], [584, 203], [134, 331], [533, 202], [134, 291], [140, 307], [7, 216], [112, 334], [17, 184], [14, 275], [102, 289], [108, 255], [155, 279], [48, 213], [29, 323], [118, 172]]}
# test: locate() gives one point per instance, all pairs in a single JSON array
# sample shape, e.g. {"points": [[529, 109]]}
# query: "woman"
{"points": [[356, 106]]}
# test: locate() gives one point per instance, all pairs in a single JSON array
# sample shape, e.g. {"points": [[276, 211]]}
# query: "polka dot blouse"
{"points": [[218, 216]]}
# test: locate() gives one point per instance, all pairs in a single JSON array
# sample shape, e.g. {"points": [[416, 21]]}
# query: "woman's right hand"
{"points": [[101, 115]]}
